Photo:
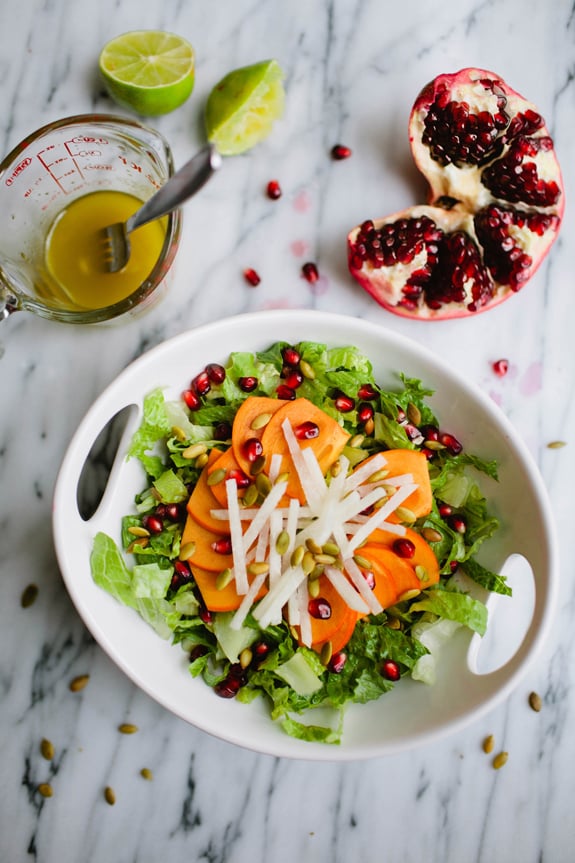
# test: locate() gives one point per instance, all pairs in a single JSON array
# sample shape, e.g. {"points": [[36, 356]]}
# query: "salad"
{"points": [[307, 537]]}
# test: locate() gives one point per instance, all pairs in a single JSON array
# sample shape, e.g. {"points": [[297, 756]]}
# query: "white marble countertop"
{"points": [[352, 72]]}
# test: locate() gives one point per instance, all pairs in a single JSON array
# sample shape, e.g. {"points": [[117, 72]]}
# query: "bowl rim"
{"points": [[287, 746]]}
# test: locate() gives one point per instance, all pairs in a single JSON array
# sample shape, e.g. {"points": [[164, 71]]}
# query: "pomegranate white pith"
{"points": [[496, 204]]}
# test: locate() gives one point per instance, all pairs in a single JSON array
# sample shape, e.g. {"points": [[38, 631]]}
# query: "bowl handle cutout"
{"points": [[510, 619]]}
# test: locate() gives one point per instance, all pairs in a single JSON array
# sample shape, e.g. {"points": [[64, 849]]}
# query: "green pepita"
{"points": [[431, 535], [194, 450], [313, 546], [356, 441], [258, 465], [405, 514], [326, 653], [331, 548], [421, 573], [313, 588], [408, 594], [127, 728], [47, 749], [263, 484], [324, 559], [297, 555], [282, 542], [250, 495], [308, 562], [29, 595], [109, 795], [258, 567], [378, 475], [306, 370], [216, 476], [202, 460], [45, 789], [223, 578], [187, 551], [179, 433], [413, 414], [260, 421], [245, 657], [136, 530], [362, 562]]}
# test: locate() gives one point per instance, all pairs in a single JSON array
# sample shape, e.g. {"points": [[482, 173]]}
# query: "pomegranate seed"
{"points": [[261, 649], [153, 523], [205, 615], [192, 400], [228, 687], [182, 574], [450, 442], [274, 190], [370, 579], [404, 547], [253, 448], [201, 384], [428, 453], [182, 568], [251, 277], [339, 151], [458, 523], [309, 272], [223, 545], [294, 379], [501, 367], [364, 412], [366, 392], [390, 670], [223, 431], [444, 510], [337, 662], [291, 357], [171, 511], [286, 393], [197, 651], [344, 403], [241, 478], [319, 608], [401, 416], [216, 373], [430, 432], [307, 430], [453, 565], [248, 384]]}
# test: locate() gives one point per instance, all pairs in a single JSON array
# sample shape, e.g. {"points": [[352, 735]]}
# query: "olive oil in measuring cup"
{"points": [[75, 252]]}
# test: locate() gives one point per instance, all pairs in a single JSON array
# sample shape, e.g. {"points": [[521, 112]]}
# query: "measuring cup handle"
{"points": [[8, 301], [181, 186]]}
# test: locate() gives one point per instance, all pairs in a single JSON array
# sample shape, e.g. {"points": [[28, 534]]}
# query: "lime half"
{"points": [[242, 108], [149, 71]]}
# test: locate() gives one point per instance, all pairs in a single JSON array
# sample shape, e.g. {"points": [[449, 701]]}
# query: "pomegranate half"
{"points": [[496, 204]]}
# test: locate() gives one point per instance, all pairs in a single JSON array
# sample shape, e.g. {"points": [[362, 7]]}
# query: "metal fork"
{"points": [[181, 186]]}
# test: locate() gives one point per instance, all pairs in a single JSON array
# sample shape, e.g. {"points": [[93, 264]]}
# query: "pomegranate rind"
{"points": [[506, 239]]}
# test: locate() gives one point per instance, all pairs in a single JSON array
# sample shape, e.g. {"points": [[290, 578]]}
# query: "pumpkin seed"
{"points": [[146, 773], [331, 548], [127, 728], [313, 546], [378, 475], [500, 759], [308, 562], [202, 460], [413, 414], [250, 495], [431, 535], [258, 567], [136, 530], [488, 744], [187, 550], [306, 370], [282, 542], [260, 421], [313, 588], [282, 477], [179, 433], [216, 476], [535, 702], [47, 749], [421, 573], [194, 450], [362, 562], [325, 559], [140, 542], [245, 657], [556, 444], [316, 572], [326, 653], [335, 468], [223, 578], [29, 595], [405, 514], [393, 623], [78, 683], [109, 795], [369, 426], [45, 789], [379, 503], [258, 465], [297, 555], [356, 441], [408, 594], [433, 445], [263, 484]]}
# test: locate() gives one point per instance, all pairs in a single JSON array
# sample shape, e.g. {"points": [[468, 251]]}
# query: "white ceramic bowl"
{"points": [[413, 713]]}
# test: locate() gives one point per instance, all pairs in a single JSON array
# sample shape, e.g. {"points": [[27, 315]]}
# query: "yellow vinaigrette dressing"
{"points": [[75, 250]]}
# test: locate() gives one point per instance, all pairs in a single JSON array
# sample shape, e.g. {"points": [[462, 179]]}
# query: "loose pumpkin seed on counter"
{"points": [[500, 760], [535, 701], [45, 789], [109, 795], [78, 683], [29, 595], [47, 749], [127, 728]]}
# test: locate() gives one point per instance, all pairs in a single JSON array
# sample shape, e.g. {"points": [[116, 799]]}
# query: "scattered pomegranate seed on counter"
{"points": [[251, 277], [274, 190], [501, 367], [310, 272], [339, 152]]}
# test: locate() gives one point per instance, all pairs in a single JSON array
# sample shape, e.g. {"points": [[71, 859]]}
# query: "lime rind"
{"points": [[243, 107]]}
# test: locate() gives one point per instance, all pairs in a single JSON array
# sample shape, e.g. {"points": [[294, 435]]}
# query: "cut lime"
{"points": [[242, 108], [149, 71]]}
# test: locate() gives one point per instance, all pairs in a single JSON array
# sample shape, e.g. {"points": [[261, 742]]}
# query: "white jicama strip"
{"points": [[315, 471], [262, 543], [236, 533], [309, 487], [358, 579], [347, 592], [249, 513], [264, 512], [293, 609], [243, 610], [364, 471], [275, 558], [275, 467], [379, 517], [361, 503], [353, 526], [278, 595], [392, 481], [304, 617]]}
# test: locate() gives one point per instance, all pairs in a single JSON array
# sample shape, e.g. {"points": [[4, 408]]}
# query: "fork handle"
{"points": [[181, 186]]}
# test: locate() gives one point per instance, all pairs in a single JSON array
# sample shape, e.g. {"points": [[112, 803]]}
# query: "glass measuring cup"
{"points": [[43, 175]]}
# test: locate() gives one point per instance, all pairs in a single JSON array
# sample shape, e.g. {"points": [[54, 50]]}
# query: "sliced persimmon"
{"points": [[249, 412], [227, 463], [202, 501], [339, 638], [206, 542], [423, 555], [324, 629], [394, 577], [327, 445], [414, 462]]}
